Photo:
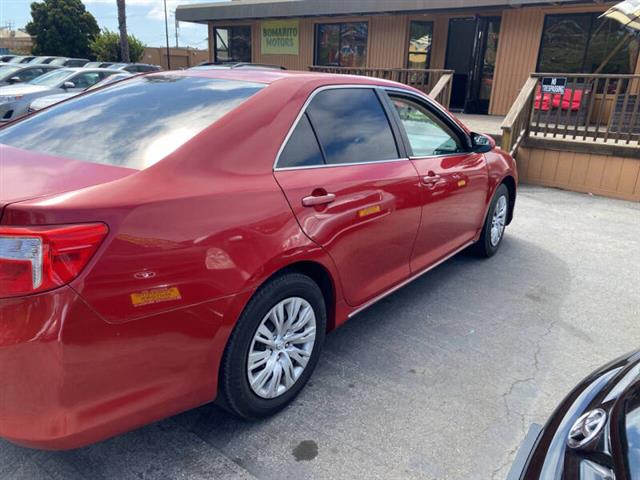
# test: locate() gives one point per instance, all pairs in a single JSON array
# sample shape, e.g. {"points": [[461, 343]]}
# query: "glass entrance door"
{"points": [[471, 52]]}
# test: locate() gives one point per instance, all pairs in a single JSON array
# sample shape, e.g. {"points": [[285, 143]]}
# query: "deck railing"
{"points": [[434, 82], [602, 109]]}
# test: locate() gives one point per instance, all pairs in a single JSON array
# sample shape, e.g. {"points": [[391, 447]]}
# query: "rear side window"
{"points": [[352, 126], [132, 124], [302, 149]]}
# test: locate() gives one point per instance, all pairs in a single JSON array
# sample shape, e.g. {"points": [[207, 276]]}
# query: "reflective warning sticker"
{"points": [[365, 212], [157, 295]]}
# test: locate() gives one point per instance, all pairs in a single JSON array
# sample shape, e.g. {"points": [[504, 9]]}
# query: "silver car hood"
{"points": [[49, 100], [23, 89]]}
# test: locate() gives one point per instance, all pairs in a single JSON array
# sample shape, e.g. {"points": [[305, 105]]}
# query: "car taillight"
{"points": [[35, 259]]}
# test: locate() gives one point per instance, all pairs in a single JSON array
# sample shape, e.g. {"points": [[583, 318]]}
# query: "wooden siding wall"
{"points": [[518, 48], [518, 45], [387, 47], [581, 172]]}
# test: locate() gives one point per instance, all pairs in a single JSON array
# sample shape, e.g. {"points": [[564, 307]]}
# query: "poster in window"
{"points": [[280, 37]]}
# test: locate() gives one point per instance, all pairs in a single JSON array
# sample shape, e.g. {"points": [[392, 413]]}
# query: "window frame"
{"points": [[389, 111], [440, 114], [429, 53], [317, 26], [230, 27]]}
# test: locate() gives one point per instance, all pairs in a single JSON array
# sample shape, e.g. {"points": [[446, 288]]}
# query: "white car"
{"points": [[15, 99], [44, 102]]}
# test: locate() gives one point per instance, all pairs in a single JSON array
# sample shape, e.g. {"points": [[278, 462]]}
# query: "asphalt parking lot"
{"points": [[441, 380]]}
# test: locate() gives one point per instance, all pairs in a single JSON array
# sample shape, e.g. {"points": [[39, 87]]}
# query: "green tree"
{"points": [[106, 47], [62, 27]]}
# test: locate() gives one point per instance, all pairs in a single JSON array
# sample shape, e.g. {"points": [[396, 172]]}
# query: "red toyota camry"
{"points": [[189, 236]]}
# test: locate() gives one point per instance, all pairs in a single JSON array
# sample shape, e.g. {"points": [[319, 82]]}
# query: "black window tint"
{"points": [[85, 80], [30, 74], [342, 44], [580, 43], [232, 44], [102, 126], [352, 126], [302, 149]]}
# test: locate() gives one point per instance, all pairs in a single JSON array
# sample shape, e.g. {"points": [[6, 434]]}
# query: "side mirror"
{"points": [[482, 143], [68, 85], [13, 80]]}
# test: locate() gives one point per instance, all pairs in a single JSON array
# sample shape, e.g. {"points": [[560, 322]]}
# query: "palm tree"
{"points": [[122, 24]]}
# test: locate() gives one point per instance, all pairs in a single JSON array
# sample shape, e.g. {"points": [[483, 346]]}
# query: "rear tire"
{"points": [[494, 225], [274, 347]]}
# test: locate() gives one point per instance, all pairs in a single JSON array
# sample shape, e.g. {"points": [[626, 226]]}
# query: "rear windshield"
{"points": [[131, 124]]}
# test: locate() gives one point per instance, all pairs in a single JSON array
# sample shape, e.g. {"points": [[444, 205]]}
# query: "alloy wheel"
{"points": [[281, 347], [499, 220]]}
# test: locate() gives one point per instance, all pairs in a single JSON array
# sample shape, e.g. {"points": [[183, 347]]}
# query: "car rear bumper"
{"points": [[68, 378]]}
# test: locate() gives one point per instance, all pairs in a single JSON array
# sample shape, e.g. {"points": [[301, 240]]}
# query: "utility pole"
{"points": [[177, 27], [166, 28], [122, 26]]}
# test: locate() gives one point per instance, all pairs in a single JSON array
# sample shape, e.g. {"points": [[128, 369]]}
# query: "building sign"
{"points": [[555, 85], [280, 37]]}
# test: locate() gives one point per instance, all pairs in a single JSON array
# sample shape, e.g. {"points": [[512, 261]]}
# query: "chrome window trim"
{"points": [[426, 157], [303, 110], [334, 165]]}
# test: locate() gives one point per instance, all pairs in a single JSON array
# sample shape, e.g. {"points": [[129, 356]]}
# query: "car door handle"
{"points": [[314, 200], [431, 179]]}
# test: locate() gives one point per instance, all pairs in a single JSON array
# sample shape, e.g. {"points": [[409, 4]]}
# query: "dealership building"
{"points": [[492, 45]]}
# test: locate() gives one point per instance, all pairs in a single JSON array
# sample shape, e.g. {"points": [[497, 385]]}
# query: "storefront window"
{"points": [[580, 43], [342, 44], [232, 44], [420, 40]]}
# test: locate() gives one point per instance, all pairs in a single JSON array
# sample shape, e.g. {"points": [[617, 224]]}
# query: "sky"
{"points": [[145, 19]]}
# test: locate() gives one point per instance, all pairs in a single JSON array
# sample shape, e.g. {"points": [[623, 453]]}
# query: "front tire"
{"points": [[494, 225], [274, 347]]}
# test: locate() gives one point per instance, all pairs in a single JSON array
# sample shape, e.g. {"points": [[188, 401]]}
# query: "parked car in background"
{"points": [[70, 62], [255, 66], [136, 67], [593, 435], [44, 102], [43, 60], [21, 72], [99, 65], [183, 236], [15, 99], [21, 59], [6, 58]]}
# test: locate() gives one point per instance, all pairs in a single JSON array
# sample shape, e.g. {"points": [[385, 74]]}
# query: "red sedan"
{"points": [[190, 236]]}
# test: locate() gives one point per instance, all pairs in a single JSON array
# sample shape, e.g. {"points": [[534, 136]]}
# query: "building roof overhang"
{"points": [[262, 9]]}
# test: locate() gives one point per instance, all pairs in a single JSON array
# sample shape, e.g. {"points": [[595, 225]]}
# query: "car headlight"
{"points": [[7, 99]]}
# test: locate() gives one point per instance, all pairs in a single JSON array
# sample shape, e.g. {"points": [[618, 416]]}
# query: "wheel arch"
{"points": [[321, 276], [510, 183]]}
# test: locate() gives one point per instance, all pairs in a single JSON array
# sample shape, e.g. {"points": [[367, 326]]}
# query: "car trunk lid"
{"points": [[26, 175]]}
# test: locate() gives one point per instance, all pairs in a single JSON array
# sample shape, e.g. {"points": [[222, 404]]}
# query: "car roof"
{"points": [[290, 76], [85, 70]]}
